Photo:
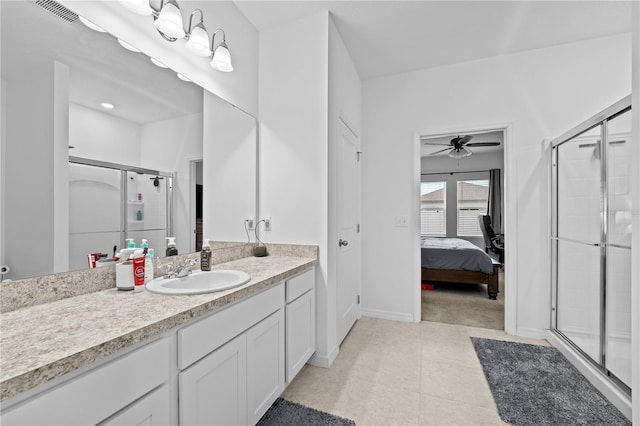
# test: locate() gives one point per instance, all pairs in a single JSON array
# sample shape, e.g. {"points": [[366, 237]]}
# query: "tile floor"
{"points": [[397, 373]]}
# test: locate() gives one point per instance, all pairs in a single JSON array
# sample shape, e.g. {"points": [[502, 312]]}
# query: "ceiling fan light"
{"points": [[461, 153], [140, 7], [169, 20], [221, 60], [198, 42]]}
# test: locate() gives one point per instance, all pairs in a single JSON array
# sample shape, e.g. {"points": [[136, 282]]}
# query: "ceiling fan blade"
{"points": [[431, 143], [442, 150], [483, 144], [463, 140]]}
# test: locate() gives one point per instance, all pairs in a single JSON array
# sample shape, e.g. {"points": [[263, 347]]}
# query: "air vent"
{"points": [[57, 9]]}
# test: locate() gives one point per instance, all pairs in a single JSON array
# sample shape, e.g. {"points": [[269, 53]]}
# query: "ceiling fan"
{"points": [[458, 146]]}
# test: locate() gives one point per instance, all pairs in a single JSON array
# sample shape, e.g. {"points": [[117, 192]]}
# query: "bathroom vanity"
{"points": [[125, 358]]}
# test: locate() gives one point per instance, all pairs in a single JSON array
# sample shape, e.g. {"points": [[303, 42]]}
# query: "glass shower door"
{"points": [[147, 210], [618, 282], [94, 212], [579, 232]]}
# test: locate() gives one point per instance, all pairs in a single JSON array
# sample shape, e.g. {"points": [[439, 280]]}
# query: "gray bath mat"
{"points": [[536, 385], [287, 413]]}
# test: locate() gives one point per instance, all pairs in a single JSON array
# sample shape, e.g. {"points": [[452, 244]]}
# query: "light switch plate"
{"points": [[402, 221]]}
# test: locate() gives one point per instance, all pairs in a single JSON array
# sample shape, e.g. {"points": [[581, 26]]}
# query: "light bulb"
{"points": [[169, 21], [182, 77], [198, 42], [158, 63], [107, 105], [91, 25], [128, 46], [222, 58]]}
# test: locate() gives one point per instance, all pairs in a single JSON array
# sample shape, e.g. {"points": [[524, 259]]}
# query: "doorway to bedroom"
{"points": [[461, 228]]}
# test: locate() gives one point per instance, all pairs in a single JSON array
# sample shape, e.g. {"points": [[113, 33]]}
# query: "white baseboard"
{"points": [[387, 315], [618, 398], [324, 360], [532, 333]]}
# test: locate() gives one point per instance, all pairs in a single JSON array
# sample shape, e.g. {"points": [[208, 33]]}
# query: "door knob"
{"points": [[342, 243]]}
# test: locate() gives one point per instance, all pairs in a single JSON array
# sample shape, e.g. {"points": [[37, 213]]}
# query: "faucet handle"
{"points": [[190, 262], [168, 270]]}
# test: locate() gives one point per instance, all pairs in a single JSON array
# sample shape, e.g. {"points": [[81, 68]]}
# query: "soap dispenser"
{"points": [[205, 256], [171, 246]]}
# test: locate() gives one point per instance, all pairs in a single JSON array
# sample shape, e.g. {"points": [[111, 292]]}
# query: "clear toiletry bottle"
{"points": [[172, 250], [205, 256]]}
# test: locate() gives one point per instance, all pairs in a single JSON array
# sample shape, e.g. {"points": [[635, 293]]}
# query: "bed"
{"points": [[459, 261]]}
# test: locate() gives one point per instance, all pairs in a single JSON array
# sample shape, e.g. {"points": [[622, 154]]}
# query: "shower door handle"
{"points": [[342, 243]]}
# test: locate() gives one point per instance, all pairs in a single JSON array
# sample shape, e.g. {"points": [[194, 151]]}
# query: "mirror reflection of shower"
{"points": [[109, 203]]}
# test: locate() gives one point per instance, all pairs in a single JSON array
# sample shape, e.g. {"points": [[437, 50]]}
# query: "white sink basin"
{"points": [[199, 282]]}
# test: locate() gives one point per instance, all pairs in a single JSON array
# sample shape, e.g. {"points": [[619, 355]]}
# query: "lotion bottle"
{"points": [[205, 256]]}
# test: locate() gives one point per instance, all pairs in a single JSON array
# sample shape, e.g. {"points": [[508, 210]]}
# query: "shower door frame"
{"points": [[123, 190], [600, 119]]}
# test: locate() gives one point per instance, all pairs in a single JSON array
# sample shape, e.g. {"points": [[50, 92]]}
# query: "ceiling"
{"points": [[493, 136], [390, 37], [100, 69]]}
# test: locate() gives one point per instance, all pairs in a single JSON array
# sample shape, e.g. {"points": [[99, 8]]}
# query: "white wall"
{"points": [[34, 142], [3, 128], [540, 93], [239, 87], [169, 146], [102, 136], [293, 147], [635, 273]]}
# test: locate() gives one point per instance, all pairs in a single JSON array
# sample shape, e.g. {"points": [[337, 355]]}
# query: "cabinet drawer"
{"points": [[92, 397], [198, 339], [152, 410], [300, 284]]}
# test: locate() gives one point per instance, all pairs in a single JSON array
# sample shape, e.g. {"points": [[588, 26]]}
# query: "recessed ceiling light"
{"points": [[182, 77], [91, 25], [128, 46], [107, 105]]}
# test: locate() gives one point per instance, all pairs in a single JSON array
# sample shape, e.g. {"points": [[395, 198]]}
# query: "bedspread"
{"points": [[454, 253]]}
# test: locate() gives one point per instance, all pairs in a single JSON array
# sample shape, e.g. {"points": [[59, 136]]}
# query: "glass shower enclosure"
{"points": [[591, 241], [109, 203]]}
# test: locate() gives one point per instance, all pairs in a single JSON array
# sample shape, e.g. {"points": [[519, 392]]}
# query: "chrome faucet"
{"points": [[182, 270], [185, 269]]}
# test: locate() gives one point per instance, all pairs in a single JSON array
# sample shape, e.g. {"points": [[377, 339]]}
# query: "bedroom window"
{"points": [[433, 208], [472, 202]]}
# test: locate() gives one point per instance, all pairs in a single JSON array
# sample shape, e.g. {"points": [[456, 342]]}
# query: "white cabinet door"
{"points": [[152, 410], [301, 328], [213, 391], [265, 364]]}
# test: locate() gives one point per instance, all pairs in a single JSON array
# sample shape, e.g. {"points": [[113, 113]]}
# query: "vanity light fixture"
{"points": [[168, 21], [128, 46], [221, 59], [183, 78], [197, 37], [140, 7], [91, 25], [158, 63], [107, 105]]}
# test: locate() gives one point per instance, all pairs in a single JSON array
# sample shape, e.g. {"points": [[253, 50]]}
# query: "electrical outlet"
{"points": [[267, 224], [250, 223]]}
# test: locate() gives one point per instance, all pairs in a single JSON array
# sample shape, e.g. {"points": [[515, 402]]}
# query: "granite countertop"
{"points": [[42, 342]]}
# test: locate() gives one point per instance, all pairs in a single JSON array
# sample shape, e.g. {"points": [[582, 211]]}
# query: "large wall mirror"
{"points": [[100, 144]]}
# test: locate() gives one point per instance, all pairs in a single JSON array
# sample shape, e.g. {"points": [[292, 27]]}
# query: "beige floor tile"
{"points": [[455, 383], [395, 373], [437, 411]]}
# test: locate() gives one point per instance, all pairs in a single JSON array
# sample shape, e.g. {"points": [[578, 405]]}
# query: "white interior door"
{"points": [[348, 219]]}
